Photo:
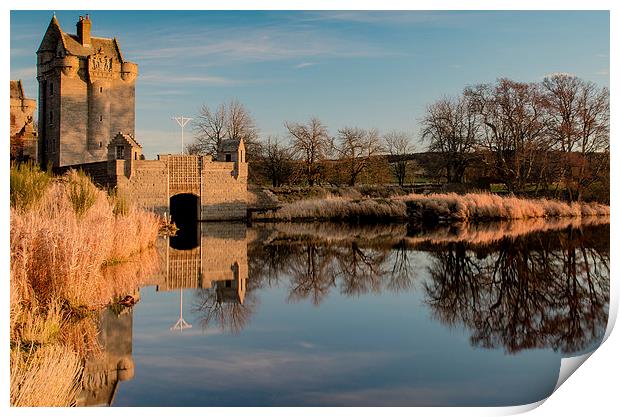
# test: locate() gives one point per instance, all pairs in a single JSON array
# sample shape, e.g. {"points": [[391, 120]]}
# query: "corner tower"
{"points": [[86, 95]]}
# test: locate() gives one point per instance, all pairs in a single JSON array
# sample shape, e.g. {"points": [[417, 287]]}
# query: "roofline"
{"points": [[118, 48], [53, 23]]}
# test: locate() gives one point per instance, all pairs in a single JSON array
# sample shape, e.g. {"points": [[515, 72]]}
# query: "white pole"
{"points": [[182, 121]]}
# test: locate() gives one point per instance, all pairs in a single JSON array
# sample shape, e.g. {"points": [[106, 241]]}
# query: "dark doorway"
{"points": [[184, 210]]}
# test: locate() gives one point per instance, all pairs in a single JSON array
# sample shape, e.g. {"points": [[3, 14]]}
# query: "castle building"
{"points": [[86, 95], [23, 135], [87, 121]]}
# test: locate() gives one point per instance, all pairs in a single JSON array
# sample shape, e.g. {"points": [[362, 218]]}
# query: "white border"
{"points": [[591, 392]]}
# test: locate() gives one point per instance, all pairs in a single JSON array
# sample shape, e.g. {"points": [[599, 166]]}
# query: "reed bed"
{"points": [[481, 206], [60, 245], [67, 243], [432, 208], [342, 208], [46, 377]]}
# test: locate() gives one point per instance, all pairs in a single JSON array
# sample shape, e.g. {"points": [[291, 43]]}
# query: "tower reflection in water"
{"points": [[104, 371], [211, 259]]}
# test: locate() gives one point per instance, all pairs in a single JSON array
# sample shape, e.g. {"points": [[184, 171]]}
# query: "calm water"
{"points": [[327, 315]]}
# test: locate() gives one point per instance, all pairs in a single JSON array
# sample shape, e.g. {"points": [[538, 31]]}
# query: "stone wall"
{"points": [[97, 171], [147, 186], [220, 186], [224, 191]]}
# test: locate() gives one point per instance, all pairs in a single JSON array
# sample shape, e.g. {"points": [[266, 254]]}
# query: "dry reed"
{"points": [[432, 208], [482, 206], [61, 243], [341, 208], [48, 377]]}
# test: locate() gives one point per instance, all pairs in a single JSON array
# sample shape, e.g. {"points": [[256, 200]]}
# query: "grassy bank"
{"points": [[477, 207], [430, 209], [64, 231]]}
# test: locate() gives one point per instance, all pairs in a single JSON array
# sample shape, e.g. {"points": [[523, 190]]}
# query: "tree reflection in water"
{"points": [[315, 268], [229, 315], [548, 289]]}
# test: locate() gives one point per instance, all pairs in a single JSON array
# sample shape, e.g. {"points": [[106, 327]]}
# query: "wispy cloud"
{"points": [[604, 71], [382, 17], [557, 73], [200, 45], [176, 78], [305, 64]]}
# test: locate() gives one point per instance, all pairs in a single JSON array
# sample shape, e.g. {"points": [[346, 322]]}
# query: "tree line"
{"points": [[306, 153], [546, 135], [528, 134]]}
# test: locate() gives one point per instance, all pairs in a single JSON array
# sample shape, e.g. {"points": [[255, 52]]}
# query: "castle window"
{"points": [[101, 144], [241, 159], [100, 118], [228, 283], [135, 156], [228, 158], [120, 152], [101, 89]]}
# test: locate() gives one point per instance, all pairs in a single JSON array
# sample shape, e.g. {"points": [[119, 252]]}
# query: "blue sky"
{"points": [[367, 69]]}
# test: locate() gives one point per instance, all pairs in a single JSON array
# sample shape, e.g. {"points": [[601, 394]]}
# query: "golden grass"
{"points": [[62, 244], [342, 208], [432, 208], [57, 251], [47, 377], [482, 206]]}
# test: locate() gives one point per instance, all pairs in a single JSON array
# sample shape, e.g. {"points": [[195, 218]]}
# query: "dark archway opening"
{"points": [[184, 209]]}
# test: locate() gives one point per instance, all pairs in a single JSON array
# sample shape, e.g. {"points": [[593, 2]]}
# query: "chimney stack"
{"points": [[83, 30]]}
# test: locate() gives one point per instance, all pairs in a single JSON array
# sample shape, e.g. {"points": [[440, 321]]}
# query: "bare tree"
{"points": [[312, 144], [229, 121], [276, 161], [451, 127], [514, 128], [356, 147], [398, 145], [579, 126], [209, 127]]}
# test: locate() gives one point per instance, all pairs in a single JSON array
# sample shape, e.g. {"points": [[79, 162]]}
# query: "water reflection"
{"points": [[360, 315], [512, 287], [517, 285], [549, 290], [216, 268], [104, 371]]}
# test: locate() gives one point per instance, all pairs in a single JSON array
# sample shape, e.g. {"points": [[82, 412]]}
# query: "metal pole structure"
{"points": [[181, 323], [182, 121]]}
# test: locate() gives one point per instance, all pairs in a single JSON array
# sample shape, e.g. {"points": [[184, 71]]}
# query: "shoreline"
{"points": [[427, 209]]}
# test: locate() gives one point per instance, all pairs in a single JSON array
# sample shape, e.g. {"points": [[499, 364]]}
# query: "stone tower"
{"points": [[86, 95]]}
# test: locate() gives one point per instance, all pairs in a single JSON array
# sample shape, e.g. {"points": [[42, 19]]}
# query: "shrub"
{"points": [[81, 191], [119, 202], [28, 184]]}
